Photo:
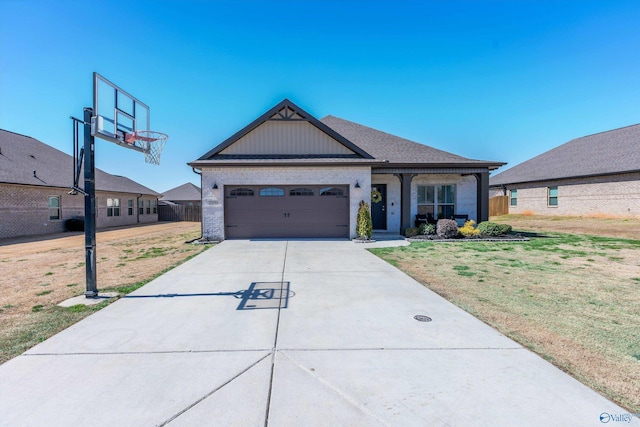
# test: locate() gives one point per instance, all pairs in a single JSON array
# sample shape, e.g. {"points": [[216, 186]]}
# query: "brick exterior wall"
{"points": [[24, 210], [615, 196], [213, 200]]}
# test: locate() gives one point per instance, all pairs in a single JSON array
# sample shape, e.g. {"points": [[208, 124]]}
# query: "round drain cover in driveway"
{"points": [[421, 318]]}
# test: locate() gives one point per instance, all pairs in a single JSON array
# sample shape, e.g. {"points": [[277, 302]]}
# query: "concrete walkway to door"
{"points": [[288, 333]]}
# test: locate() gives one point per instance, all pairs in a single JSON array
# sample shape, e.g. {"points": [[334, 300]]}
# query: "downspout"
{"points": [[137, 208], [201, 211]]}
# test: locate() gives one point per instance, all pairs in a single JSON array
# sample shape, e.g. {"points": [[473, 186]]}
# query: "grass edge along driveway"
{"points": [[572, 299]]}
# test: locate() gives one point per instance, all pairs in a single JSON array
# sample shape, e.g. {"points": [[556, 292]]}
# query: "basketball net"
{"points": [[151, 142]]}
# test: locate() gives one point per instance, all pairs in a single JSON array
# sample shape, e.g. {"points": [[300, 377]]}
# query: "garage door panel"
{"points": [[295, 214]]}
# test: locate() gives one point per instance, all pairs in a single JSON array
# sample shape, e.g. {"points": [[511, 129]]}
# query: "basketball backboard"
{"points": [[117, 115]]}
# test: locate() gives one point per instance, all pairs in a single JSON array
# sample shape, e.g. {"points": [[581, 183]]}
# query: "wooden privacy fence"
{"points": [[179, 213], [498, 205]]}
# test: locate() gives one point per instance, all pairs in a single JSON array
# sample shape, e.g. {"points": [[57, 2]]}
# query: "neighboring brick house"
{"points": [[35, 180], [182, 203], [596, 175], [288, 174], [186, 194]]}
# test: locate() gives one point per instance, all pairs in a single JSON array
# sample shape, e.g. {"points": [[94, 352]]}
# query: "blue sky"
{"points": [[494, 80]]}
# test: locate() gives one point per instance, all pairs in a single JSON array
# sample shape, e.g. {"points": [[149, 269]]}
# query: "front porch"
{"points": [[437, 193]]}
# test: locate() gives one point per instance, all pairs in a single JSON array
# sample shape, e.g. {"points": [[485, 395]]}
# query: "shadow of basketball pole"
{"points": [[259, 296]]}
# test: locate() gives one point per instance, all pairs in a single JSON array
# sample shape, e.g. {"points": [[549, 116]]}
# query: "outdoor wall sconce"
{"points": [[215, 186], [357, 184]]}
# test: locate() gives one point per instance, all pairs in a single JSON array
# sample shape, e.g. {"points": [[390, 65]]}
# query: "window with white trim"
{"points": [[513, 197], [552, 196], [113, 207], [54, 207], [437, 200], [130, 207]]}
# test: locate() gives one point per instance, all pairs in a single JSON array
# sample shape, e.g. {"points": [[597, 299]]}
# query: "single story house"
{"points": [[186, 194], [288, 174], [35, 181], [182, 203], [596, 175]]}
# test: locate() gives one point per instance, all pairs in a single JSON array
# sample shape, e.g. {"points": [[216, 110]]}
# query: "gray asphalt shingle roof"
{"points": [[182, 192], [370, 147], [611, 152], [21, 155], [397, 150]]}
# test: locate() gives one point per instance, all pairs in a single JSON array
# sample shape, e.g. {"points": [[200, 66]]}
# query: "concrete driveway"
{"points": [[288, 333]]}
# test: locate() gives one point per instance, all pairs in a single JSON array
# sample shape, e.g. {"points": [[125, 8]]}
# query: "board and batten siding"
{"points": [[286, 137]]}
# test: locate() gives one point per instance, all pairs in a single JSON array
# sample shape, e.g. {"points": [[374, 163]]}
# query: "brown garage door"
{"points": [[286, 211]]}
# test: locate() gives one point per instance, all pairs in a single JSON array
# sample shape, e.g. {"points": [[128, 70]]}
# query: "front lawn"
{"points": [[573, 299]]}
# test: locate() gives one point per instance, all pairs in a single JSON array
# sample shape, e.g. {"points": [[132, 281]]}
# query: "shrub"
{"points": [[74, 224], [428, 229], [447, 228], [469, 230], [492, 229], [364, 226], [411, 231]]}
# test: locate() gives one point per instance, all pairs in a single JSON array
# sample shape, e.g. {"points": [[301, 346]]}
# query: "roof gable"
{"points": [[187, 191], [612, 152], [286, 131]]}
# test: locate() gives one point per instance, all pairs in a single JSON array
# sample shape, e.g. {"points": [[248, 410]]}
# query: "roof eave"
{"points": [[593, 175]]}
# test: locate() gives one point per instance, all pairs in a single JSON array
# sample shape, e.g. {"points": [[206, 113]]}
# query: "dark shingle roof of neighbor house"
{"points": [[27, 161], [612, 152], [182, 192], [396, 150]]}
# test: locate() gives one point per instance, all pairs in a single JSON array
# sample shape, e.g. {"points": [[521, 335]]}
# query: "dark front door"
{"points": [[379, 206]]}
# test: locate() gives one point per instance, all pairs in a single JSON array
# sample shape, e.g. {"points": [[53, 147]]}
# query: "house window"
{"points": [[130, 207], [301, 192], [552, 196], [140, 207], [331, 191], [148, 207], [437, 200], [241, 192], [513, 198], [54, 207], [113, 207], [271, 192], [154, 207]]}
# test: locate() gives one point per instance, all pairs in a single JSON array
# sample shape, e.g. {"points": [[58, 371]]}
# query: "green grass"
{"points": [[579, 293], [39, 294]]}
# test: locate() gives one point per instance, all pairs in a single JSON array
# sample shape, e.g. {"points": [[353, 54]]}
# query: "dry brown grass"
{"points": [[626, 228], [573, 299], [40, 272]]}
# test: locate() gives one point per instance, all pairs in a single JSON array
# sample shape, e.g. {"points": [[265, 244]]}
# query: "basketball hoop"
{"points": [[151, 143]]}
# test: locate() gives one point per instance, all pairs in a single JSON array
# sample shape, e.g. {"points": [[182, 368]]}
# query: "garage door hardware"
{"points": [[422, 318]]}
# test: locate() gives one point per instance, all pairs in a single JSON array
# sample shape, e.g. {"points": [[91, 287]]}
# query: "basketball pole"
{"points": [[90, 207]]}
